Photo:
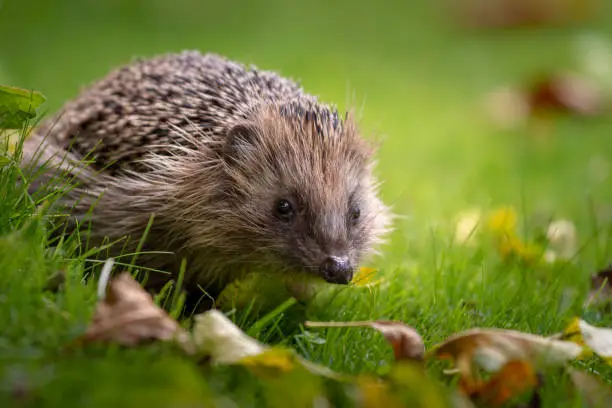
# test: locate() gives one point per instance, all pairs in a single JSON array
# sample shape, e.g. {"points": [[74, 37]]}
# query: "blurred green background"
{"points": [[416, 77]]}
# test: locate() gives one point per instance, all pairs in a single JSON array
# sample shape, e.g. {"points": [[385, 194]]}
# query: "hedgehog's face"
{"points": [[306, 196]]}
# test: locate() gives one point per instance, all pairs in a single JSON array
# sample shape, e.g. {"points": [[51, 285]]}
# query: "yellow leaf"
{"points": [[277, 360], [219, 338], [596, 339], [572, 333], [364, 276]]}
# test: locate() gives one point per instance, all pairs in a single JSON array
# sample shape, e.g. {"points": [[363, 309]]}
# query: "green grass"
{"points": [[419, 83]]}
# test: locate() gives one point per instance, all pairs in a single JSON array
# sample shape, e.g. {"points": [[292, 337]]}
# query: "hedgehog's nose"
{"points": [[337, 269]]}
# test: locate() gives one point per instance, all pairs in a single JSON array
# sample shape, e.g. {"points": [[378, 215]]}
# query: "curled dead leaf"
{"points": [[597, 339], [573, 333], [550, 93], [128, 316], [405, 341], [514, 378], [518, 13], [215, 335], [219, 338], [567, 93], [492, 349]]}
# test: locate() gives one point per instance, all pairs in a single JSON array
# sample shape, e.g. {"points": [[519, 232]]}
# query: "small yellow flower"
{"points": [[365, 278], [515, 247], [503, 221]]}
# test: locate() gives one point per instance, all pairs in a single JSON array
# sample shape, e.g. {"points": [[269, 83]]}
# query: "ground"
{"points": [[419, 85]]}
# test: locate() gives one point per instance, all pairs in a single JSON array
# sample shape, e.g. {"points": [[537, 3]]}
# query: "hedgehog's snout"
{"points": [[337, 269]]}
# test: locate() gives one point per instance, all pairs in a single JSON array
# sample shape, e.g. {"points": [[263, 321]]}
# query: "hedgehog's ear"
{"points": [[241, 141]]}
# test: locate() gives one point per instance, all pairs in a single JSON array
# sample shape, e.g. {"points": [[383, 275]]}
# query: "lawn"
{"points": [[419, 85]]}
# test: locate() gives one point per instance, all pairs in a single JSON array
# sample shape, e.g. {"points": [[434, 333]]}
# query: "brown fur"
{"points": [[208, 146]]}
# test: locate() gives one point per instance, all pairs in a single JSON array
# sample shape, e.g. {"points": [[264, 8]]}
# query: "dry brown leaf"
{"points": [[566, 93], [128, 316], [515, 378], [518, 13], [551, 93], [492, 349], [405, 341]]}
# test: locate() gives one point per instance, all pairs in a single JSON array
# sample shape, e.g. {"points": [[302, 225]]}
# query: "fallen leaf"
{"points": [[405, 341], [594, 392], [275, 359], [17, 105], [514, 378], [572, 333], [540, 99], [128, 316], [216, 336], [519, 13], [219, 338], [597, 339], [564, 93], [492, 349], [364, 278], [601, 287]]}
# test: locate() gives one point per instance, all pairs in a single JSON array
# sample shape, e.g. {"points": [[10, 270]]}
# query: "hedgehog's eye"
{"points": [[355, 214], [284, 210]]}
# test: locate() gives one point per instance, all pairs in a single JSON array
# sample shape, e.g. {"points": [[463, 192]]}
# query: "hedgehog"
{"points": [[226, 167]]}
